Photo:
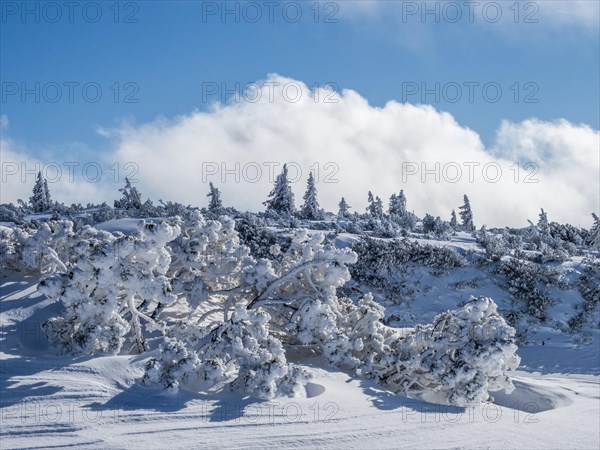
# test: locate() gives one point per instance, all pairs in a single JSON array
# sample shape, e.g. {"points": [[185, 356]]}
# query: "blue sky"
{"points": [[170, 52], [549, 55]]}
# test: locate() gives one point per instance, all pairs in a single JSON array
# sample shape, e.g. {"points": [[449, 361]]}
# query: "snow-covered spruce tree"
{"points": [[428, 223], [344, 209], [375, 207], [131, 199], [215, 198], [398, 204], [543, 226], [310, 209], [281, 197], [116, 282], [47, 194], [40, 200], [453, 221], [594, 235], [466, 215], [571, 238], [172, 209], [542, 238]]}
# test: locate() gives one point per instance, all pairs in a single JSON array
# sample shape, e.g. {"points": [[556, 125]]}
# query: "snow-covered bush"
{"points": [[254, 235], [567, 233], [207, 257], [495, 245], [251, 306], [524, 281], [241, 353], [589, 288], [11, 213], [227, 319], [42, 247], [258, 309], [104, 213], [116, 280], [458, 359], [379, 261]]}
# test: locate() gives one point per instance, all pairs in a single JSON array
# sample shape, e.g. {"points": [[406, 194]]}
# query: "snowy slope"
{"points": [[96, 402]]}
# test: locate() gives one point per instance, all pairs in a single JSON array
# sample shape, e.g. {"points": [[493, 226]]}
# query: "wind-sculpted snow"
{"points": [[222, 319]]}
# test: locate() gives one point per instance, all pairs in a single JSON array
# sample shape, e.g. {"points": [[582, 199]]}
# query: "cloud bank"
{"points": [[354, 148]]}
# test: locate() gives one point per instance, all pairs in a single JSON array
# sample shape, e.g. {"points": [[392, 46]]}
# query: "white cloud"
{"points": [[415, 24], [68, 183], [371, 147]]}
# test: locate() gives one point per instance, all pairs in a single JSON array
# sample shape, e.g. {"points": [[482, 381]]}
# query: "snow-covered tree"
{"points": [[243, 297], [528, 286], [47, 194], [241, 353], [594, 236], [237, 335], [227, 319], [458, 359], [543, 225], [310, 209], [42, 249], [428, 223], [206, 257], [344, 208], [281, 197], [215, 198], [466, 215], [375, 206], [453, 221], [398, 204], [40, 200], [104, 213], [131, 199], [115, 283]]}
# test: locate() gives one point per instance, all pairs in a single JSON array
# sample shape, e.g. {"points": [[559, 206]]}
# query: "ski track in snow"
{"points": [[96, 402]]}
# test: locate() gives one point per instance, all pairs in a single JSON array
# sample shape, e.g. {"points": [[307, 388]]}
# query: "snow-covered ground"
{"points": [[96, 402]]}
